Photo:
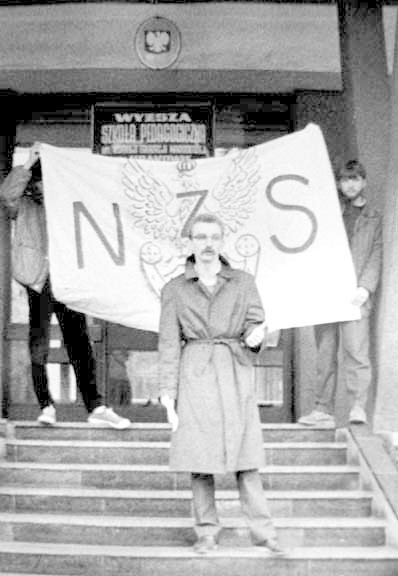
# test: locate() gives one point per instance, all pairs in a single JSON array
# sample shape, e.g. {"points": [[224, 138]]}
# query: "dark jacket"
{"points": [[366, 248], [366, 245]]}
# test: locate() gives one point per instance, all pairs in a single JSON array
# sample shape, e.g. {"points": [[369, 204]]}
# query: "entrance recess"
{"points": [[127, 358]]}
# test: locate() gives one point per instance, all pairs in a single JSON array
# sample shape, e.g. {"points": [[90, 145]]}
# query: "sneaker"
{"points": [[103, 416], [357, 415], [273, 546], [205, 544], [48, 416], [318, 418]]}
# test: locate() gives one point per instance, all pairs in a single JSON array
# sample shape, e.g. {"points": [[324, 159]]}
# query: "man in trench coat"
{"points": [[211, 321]]}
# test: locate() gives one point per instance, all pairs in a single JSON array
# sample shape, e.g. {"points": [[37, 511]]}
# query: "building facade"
{"points": [[268, 69]]}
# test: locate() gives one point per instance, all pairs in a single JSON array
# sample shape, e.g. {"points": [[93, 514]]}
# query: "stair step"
{"points": [[74, 559], [159, 477], [153, 452], [72, 503], [154, 431], [178, 503], [125, 531]]}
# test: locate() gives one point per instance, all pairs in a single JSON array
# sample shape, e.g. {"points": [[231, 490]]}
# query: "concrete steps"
{"points": [[154, 452], [336, 503], [155, 431], [132, 476], [72, 559], [169, 531], [79, 500]]}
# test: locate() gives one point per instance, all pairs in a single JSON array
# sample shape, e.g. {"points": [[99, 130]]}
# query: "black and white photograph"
{"points": [[198, 288]]}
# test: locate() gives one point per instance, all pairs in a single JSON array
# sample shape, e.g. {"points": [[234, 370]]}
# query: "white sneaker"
{"points": [[357, 415], [103, 416], [48, 416], [318, 418]]}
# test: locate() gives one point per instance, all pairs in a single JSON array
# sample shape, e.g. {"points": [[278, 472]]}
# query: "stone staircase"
{"points": [[77, 500]]}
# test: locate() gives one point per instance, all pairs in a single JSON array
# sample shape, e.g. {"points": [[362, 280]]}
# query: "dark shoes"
{"points": [[205, 544], [273, 546]]}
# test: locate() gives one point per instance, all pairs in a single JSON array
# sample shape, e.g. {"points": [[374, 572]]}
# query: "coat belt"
{"points": [[234, 344], [225, 341]]}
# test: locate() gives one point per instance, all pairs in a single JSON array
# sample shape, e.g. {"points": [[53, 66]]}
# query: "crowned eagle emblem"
{"points": [[157, 41], [163, 213]]}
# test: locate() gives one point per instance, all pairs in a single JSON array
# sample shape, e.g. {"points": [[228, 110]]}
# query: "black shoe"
{"points": [[205, 544]]}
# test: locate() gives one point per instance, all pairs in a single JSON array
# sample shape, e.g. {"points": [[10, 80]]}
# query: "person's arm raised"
{"points": [[34, 156]]}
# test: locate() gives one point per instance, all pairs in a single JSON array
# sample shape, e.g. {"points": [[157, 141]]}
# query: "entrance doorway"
{"points": [[127, 358]]}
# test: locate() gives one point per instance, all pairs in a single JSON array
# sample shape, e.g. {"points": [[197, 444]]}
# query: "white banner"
{"points": [[117, 229]]}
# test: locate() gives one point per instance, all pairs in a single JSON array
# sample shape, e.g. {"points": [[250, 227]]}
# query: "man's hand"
{"points": [[34, 156], [256, 336], [361, 296], [172, 416]]}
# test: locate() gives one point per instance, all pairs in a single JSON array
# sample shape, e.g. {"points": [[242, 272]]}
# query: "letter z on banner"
{"points": [[117, 229]]}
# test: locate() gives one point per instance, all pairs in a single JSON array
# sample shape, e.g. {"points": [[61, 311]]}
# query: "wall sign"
{"points": [[158, 43], [161, 131]]}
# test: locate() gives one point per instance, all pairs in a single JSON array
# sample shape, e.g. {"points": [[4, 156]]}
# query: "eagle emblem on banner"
{"points": [[163, 208]]}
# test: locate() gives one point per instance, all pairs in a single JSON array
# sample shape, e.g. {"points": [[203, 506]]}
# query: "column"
{"points": [[7, 140], [366, 98], [386, 412], [366, 89]]}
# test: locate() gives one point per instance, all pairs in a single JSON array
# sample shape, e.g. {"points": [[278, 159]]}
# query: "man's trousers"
{"points": [[74, 330], [253, 503], [357, 369]]}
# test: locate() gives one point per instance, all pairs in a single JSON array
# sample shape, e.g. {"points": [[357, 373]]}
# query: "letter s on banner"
{"points": [[298, 208]]}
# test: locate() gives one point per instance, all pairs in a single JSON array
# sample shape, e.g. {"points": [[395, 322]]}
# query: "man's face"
{"points": [[206, 241], [352, 186]]}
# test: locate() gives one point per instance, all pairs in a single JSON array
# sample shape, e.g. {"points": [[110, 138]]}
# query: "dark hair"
{"points": [[351, 168], [206, 219]]}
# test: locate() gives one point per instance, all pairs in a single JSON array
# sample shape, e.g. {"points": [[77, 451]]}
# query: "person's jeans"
{"points": [[356, 362], [253, 502], [74, 330]]}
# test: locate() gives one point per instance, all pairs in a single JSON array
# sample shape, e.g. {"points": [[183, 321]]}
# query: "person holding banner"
{"points": [[364, 231], [21, 194], [211, 324]]}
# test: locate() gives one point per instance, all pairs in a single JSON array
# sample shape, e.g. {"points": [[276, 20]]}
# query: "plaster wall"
{"points": [[29, 31]]}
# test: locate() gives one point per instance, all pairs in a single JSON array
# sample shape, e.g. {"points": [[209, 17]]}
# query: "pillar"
{"points": [[366, 89], [366, 110], [7, 141], [386, 412]]}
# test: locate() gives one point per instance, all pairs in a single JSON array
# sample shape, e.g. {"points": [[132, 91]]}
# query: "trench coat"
{"points": [[205, 365]]}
